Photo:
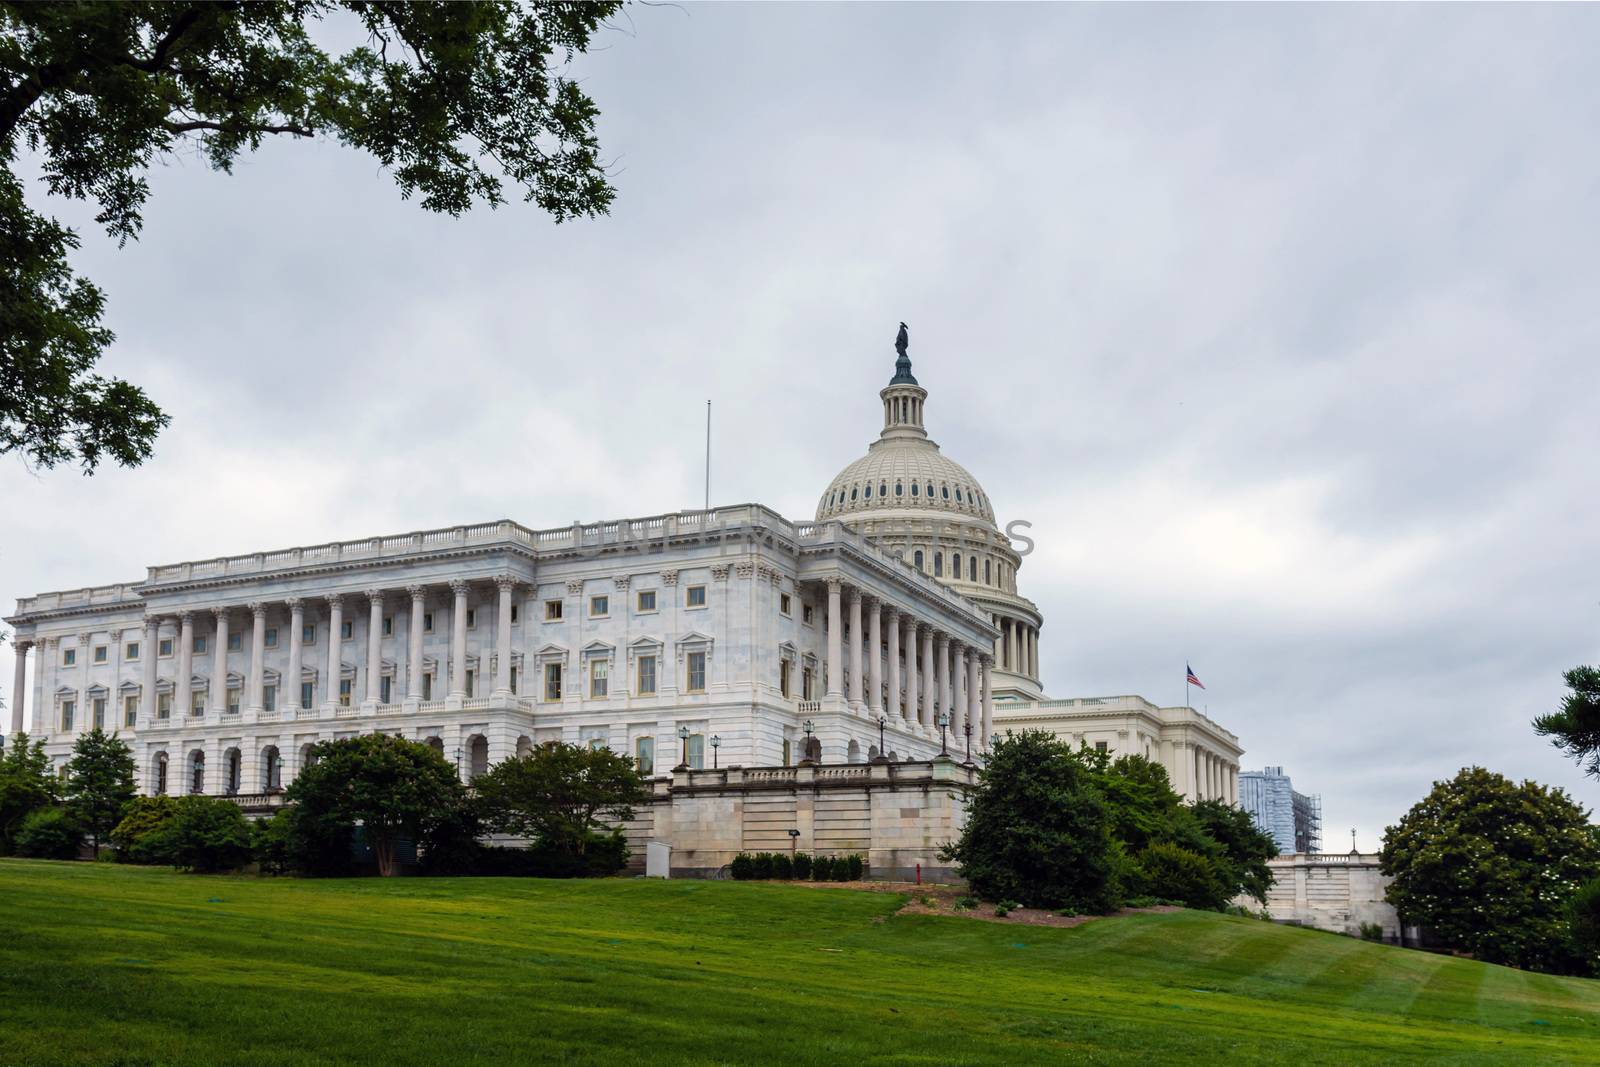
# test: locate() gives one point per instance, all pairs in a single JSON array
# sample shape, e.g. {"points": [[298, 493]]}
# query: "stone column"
{"points": [[373, 693], [892, 708], [82, 720], [980, 740], [502, 635], [835, 640], [458, 643], [183, 685], [855, 648], [335, 654], [149, 682], [1033, 652], [958, 691], [988, 700], [874, 656], [219, 670], [414, 635], [289, 695], [929, 675], [19, 684], [257, 697], [910, 713]]}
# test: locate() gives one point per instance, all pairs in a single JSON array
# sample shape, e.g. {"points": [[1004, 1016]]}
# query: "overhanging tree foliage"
{"points": [[458, 100], [26, 786], [564, 799], [1489, 866], [1575, 729], [99, 782]]}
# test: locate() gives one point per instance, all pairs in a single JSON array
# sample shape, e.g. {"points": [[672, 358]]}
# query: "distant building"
{"points": [[1293, 819]]}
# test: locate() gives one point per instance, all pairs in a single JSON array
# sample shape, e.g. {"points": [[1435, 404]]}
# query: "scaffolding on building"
{"points": [[1307, 822]]}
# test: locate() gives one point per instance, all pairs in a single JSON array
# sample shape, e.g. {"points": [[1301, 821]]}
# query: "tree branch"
{"points": [[201, 124]]}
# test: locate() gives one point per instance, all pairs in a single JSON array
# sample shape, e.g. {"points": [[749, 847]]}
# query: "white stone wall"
{"points": [[1335, 892]]}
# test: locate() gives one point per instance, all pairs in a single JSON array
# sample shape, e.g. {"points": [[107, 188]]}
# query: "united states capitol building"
{"points": [[722, 640]]}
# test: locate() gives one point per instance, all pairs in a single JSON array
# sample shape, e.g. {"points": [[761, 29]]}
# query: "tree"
{"points": [[389, 786], [49, 834], [561, 797], [1575, 729], [1583, 917], [203, 834], [1488, 866], [140, 819], [457, 100], [26, 786], [1037, 829], [1241, 864], [99, 782]]}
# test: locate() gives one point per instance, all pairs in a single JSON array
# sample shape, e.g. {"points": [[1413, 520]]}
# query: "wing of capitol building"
{"points": [[830, 685]]}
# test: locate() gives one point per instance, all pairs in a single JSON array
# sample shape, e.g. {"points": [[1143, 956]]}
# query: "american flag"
{"points": [[1192, 679]]}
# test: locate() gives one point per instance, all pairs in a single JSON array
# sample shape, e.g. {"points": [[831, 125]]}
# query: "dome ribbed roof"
{"points": [[904, 475]]}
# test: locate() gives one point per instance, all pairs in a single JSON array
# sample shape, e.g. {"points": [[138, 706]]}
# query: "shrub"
{"points": [[603, 855], [49, 834], [742, 868], [1005, 907], [966, 903], [1372, 931], [140, 819], [203, 834], [782, 865], [841, 869], [857, 867], [761, 868], [1176, 873], [802, 866], [822, 869]]}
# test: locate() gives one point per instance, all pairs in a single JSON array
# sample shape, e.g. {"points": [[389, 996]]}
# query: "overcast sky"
{"points": [[1278, 323]]}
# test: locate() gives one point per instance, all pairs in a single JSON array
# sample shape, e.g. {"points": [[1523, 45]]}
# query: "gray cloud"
{"points": [[1276, 322]]}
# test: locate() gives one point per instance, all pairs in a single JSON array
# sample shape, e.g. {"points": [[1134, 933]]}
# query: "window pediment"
{"points": [[694, 641], [98, 690], [787, 650], [644, 646], [129, 687], [598, 649], [552, 653]]}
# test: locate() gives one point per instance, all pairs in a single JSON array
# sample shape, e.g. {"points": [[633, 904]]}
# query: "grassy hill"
{"points": [[119, 965]]}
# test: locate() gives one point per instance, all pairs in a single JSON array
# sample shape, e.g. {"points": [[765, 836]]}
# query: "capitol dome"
{"points": [[925, 508]]}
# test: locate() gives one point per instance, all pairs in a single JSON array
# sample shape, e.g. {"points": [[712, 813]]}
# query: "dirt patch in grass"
{"points": [[929, 899]]}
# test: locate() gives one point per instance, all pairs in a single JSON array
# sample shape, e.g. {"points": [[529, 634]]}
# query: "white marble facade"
{"points": [[732, 626]]}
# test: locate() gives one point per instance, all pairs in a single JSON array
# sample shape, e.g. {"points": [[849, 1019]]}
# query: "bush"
{"points": [[203, 834], [1005, 907], [761, 868], [841, 869], [782, 865], [822, 869], [743, 867], [604, 854], [140, 819], [1372, 931], [857, 867], [1176, 873], [1583, 918], [298, 841], [49, 834], [966, 903], [802, 866]]}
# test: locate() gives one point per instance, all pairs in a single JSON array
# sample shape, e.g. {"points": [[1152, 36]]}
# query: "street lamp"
{"points": [[683, 735], [966, 728], [944, 721], [458, 761], [716, 743], [883, 720], [808, 727]]}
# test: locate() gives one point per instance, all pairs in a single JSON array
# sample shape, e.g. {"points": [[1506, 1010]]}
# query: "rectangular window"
{"points": [[599, 679], [807, 615], [785, 604], [552, 681], [269, 698], [347, 630], [344, 692], [697, 751], [235, 642], [101, 653], [308, 634], [472, 683], [516, 615], [599, 607], [427, 622], [69, 710], [130, 710], [427, 686], [1099, 746], [783, 677], [200, 643], [552, 611], [130, 650], [647, 600], [472, 618], [69, 657], [164, 705], [647, 676], [99, 713], [697, 672], [308, 693], [233, 700], [388, 626], [645, 752], [383, 689], [786, 752], [197, 704], [513, 680], [269, 638], [805, 684], [164, 647], [695, 596]]}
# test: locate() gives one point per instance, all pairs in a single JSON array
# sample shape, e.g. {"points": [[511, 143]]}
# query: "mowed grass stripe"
{"points": [[137, 966]]}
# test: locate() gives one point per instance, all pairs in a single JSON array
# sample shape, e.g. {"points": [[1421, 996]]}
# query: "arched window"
{"points": [[955, 566], [972, 568], [987, 580], [899, 489], [913, 488], [869, 490], [883, 489], [945, 489], [853, 493], [930, 490], [958, 494], [918, 557], [938, 564]]}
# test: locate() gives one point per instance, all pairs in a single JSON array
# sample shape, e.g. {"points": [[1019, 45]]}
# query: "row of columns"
{"points": [[1215, 778], [959, 682], [1018, 648]]}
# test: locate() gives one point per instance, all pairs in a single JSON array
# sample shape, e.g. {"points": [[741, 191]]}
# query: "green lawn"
{"points": [[119, 965]]}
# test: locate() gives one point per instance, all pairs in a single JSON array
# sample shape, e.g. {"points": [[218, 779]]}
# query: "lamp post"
{"points": [[716, 743], [808, 727], [883, 720], [683, 736], [458, 761], [944, 721], [966, 728]]}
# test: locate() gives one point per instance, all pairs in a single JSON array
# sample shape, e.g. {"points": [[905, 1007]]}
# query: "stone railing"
{"points": [[92, 597]]}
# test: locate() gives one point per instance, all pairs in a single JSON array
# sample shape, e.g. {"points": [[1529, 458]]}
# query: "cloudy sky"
{"points": [[1278, 324]]}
